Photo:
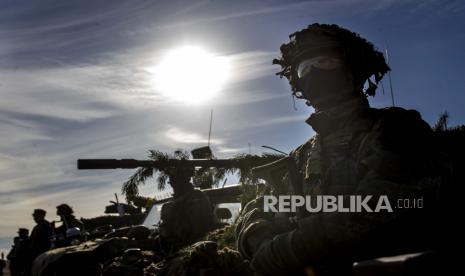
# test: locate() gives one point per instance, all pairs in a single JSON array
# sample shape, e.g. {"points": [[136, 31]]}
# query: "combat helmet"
{"points": [[366, 63]]}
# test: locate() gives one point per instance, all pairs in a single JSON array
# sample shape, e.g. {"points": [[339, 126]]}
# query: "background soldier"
{"points": [[2, 263], [65, 212], [19, 256], [188, 217], [41, 234], [357, 150]]}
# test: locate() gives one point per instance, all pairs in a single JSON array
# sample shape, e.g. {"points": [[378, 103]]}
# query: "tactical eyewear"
{"points": [[321, 62]]}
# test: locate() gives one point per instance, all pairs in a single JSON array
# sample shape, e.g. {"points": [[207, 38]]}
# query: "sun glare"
{"points": [[191, 75]]}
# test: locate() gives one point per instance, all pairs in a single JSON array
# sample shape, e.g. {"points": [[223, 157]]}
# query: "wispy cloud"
{"points": [[241, 97], [269, 122], [252, 65], [184, 137], [18, 132], [85, 92], [447, 7], [259, 10], [66, 93], [231, 150]]}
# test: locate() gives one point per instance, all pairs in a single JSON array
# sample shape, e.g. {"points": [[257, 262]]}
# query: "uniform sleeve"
{"points": [[393, 160]]}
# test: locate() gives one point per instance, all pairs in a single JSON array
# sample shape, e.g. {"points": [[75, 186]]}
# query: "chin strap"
{"points": [[371, 90]]}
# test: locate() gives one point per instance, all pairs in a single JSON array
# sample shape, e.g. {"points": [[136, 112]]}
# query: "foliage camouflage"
{"points": [[246, 161]]}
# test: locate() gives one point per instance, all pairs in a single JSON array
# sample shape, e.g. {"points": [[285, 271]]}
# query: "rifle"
{"points": [[274, 172]]}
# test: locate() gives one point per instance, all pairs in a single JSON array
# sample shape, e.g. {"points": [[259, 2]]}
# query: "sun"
{"points": [[191, 75]]}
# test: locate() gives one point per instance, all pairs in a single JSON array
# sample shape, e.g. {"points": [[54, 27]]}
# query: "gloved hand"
{"points": [[257, 226], [251, 237], [277, 257]]}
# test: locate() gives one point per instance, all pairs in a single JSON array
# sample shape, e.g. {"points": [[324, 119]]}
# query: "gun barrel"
{"points": [[228, 194], [279, 164], [273, 172], [98, 164]]}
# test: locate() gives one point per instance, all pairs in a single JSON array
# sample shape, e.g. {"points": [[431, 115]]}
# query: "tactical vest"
{"points": [[332, 164], [328, 164]]}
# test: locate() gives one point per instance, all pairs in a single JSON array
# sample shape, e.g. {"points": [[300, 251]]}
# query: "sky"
{"points": [[77, 81]]}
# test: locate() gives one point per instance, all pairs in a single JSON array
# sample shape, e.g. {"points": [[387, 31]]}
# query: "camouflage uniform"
{"points": [[357, 151]]}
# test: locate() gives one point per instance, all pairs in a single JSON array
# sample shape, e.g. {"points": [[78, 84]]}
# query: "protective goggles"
{"points": [[321, 62]]}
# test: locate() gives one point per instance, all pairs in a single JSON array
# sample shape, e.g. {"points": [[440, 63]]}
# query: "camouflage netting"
{"points": [[202, 258], [215, 256], [131, 264], [224, 237], [211, 177]]}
